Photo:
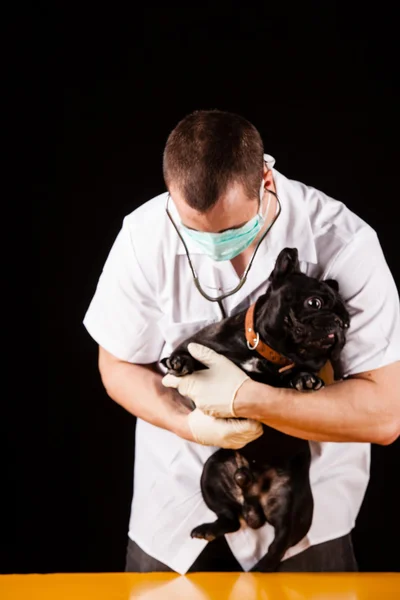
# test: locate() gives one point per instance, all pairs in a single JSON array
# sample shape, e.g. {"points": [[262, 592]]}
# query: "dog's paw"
{"points": [[203, 532], [180, 364], [305, 382]]}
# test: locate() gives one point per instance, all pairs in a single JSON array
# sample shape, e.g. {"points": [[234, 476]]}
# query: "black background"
{"points": [[318, 80]]}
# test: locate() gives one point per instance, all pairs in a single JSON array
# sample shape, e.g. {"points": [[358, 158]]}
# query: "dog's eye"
{"points": [[315, 303]]}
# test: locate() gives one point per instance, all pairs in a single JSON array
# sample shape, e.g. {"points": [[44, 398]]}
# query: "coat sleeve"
{"points": [[368, 288], [123, 314]]}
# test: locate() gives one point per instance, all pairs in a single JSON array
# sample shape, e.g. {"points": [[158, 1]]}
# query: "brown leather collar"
{"points": [[255, 343]]}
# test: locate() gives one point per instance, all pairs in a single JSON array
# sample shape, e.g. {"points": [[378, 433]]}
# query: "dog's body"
{"points": [[303, 320]]}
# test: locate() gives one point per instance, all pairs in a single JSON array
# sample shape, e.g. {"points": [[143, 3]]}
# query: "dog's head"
{"points": [[307, 318]]}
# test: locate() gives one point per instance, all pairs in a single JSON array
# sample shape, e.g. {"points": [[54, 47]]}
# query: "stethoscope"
{"points": [[242, 281]]}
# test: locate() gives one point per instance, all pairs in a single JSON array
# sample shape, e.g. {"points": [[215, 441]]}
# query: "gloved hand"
{"points": [[224, 433], [212, 390]]}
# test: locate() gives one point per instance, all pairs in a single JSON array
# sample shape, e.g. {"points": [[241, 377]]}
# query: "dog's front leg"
{"points": [[304, 381], [181, 363]]}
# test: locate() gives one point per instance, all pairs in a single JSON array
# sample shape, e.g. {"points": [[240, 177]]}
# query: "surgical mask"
{"points": [[229, 243]]}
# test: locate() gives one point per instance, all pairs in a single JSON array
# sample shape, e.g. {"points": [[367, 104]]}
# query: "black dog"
{"points": [[301, 324]]}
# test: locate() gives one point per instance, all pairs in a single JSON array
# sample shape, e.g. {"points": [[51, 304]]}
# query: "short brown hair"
{"points": [[209, 150]]}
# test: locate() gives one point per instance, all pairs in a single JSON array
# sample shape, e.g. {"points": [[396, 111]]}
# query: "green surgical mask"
{"points": [[229, 243]]}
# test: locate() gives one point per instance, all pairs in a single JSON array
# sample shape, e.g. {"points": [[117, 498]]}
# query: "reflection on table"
{"points": [[202, 586]]}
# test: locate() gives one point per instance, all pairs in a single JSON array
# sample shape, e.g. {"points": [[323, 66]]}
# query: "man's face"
{"points": [[231, 211]]}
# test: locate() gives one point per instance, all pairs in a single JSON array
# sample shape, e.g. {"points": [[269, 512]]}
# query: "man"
{"points": [[224, 200]]}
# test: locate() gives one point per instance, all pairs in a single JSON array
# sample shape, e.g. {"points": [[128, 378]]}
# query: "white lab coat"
{"points": [[146, 303]]}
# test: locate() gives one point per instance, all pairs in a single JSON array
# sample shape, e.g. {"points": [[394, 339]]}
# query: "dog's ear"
{"points": [[286, 264], [332, 284]]}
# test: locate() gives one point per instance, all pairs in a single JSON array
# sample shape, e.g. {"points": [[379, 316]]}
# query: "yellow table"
{"points": [[202, 586]]}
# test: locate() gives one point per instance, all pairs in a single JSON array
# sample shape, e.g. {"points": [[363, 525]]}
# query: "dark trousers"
{"points": [[333, 556]]}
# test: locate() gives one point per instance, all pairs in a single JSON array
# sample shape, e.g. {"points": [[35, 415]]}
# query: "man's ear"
{"points": [[286, 264], [332, 284]]}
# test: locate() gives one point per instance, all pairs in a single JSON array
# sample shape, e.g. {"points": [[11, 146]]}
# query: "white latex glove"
{"points": [[223, 433], [213, 390]]}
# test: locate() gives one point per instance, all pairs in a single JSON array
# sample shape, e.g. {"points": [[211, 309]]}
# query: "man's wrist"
{"points": [[178, 410], [182, 427], [245, 403]]}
